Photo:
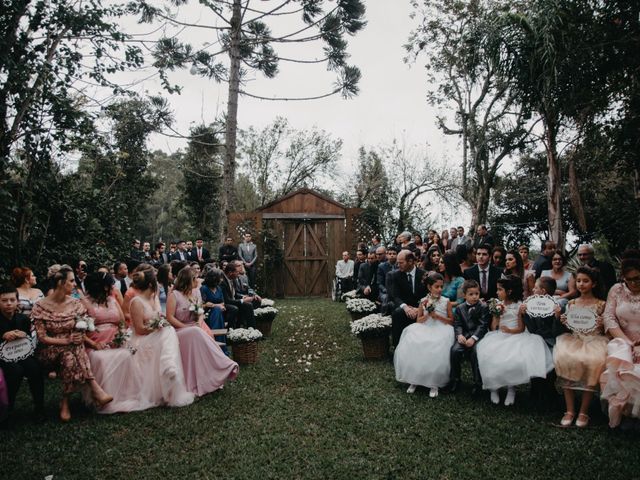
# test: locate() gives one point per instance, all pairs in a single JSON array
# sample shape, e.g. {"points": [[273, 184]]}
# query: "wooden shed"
{"points": [[311, 231]]}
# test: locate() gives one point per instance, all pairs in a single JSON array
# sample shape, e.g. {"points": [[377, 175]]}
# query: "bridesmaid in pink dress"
{"points": [[206, 367], [148, 372], [104, 309]]}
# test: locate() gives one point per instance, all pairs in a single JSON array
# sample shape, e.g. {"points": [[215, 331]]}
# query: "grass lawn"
{"points": [[313, 408]]}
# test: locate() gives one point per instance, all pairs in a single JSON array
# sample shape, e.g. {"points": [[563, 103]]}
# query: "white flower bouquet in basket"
{"points": [[237, 336], [265, 313], [361, 305], [347, 295], [371, 326], [266, 302]]}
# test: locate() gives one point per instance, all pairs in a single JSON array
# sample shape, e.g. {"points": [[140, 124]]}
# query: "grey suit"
{"points": [[248, 253]]}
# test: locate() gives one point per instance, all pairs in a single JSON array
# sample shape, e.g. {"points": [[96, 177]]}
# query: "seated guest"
{"points": [[132, 291], [104, 309], [239, 307], [63, 345], [484, 273], [165, 284], [498, 255], [620, 383], [466, 256], [453, 279], [543, 262], [514, 266], [361, 259], [509, 355], [384, 268], [565, 282], [213, 299], [431, 259], [406, 293], [206, 367], [25, 280], [405, 240], [14, 326], [241, 283], [607, 272], [344, 271], [470, 324], [121, 277], [152, 377], [367, 279]]}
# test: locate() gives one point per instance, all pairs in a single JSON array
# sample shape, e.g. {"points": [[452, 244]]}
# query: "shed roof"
{"points": [[304, 200]]}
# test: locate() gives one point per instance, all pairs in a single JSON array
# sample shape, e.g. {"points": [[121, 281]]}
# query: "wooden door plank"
{"points": [[294, 278], [291, 246], [315, 237]]}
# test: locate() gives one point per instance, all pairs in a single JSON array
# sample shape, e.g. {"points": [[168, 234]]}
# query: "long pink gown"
{"points": [[146, 373], [107, 318], [206, 367]]}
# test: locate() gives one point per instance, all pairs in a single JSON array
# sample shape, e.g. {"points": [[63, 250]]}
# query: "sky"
{"points": [[391, 104]]}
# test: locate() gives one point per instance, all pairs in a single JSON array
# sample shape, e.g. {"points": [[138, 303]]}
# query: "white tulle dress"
{"points": [[422, 356], [147, 373], [507, 359]]}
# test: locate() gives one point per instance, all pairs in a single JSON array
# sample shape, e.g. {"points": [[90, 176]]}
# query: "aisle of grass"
{"points": [[313, 408]]}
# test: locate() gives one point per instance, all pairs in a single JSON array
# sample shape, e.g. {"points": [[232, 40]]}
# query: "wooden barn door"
{"points": [[305, 259]]}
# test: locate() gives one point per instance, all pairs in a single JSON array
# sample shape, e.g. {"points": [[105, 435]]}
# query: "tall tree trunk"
{"points": [[554, 187], [227, 202]]}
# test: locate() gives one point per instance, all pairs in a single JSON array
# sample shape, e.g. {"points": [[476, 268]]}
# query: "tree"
{"points": [[455, 37], [201, 166], [247, 40], [280, 159]]}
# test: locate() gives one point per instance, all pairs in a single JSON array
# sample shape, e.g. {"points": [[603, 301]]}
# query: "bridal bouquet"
{"points": [[374, 325], [157, 322], [361, 305], [85, 323], [243, 335], [496, 307], [122, 337]]}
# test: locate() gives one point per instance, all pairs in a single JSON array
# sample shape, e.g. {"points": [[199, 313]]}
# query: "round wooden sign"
{"points": [[583, 320], [540, 305], [17, 350]]}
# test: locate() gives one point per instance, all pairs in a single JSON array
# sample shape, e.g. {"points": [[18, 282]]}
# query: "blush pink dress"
{"points": [[206, 367], [145, 373], [107, 318]]}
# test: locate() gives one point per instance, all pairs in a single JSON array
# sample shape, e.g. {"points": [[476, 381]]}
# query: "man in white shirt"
{"points": [[344, 271]]}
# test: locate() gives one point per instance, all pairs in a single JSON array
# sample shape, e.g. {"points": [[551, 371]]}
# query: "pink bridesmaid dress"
{"points": [[107, 319], [206, 367]]}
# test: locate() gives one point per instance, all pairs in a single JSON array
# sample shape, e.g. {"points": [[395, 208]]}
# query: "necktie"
{"points": [[483, 281], [123, 286], [199, 254], [410, 279]]}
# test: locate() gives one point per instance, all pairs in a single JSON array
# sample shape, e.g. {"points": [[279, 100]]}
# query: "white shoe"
{"points": [[411, 389], [495, 398], [511, 397], [433, 393]]}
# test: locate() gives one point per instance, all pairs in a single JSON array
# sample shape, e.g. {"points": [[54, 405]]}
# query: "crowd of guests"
{"points": [[146, 331], [454, 297]]}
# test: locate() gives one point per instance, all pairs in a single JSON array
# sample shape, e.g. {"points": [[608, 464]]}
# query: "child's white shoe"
{"points": [[511, 396], [495, 398], [433, 393], [411, 389]]}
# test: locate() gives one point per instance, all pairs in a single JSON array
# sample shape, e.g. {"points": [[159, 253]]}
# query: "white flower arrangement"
{"points": [[265, 312], [243, 335], [267, 303], [347, 295], [361, 305], [85, 323], [374, 325]]}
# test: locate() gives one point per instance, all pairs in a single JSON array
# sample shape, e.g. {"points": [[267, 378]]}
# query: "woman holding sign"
{"points": [[580, 356], [621, 381]]}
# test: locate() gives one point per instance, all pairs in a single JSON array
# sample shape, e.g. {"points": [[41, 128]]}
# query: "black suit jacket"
{"points": [[176, 256], [401, 291], [205, 254], [470, 321], [230, 297], [473, 273]]}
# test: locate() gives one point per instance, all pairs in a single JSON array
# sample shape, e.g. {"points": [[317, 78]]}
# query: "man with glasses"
{"points": [[607, 272]]}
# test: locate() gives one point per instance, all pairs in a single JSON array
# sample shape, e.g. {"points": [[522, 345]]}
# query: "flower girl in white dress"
{"points": [[509, 355], [422, 356]]}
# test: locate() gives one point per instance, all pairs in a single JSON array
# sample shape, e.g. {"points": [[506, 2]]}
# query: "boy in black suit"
{"points": [[15, 326], [470, 323]]}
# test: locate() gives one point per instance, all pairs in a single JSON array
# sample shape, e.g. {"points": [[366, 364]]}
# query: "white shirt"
{"points": [[344, 269]]}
